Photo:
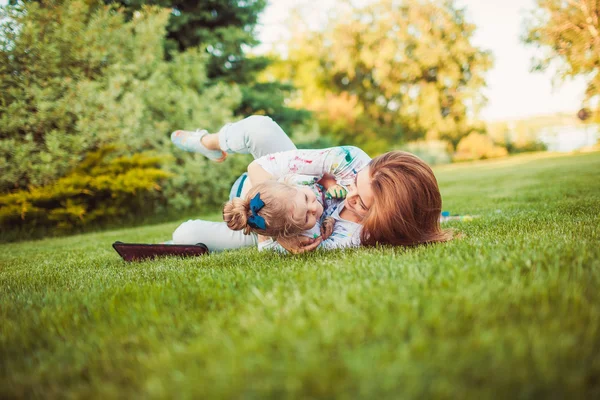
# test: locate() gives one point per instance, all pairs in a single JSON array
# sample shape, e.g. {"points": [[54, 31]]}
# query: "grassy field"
{"points": [[511, 309]]}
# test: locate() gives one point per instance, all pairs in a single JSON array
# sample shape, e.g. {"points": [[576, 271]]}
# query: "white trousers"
{"points": [[257, 135]]}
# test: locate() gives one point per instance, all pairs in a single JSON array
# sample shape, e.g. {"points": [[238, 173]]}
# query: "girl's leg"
{"points": [[215, 235], [257, 135]]}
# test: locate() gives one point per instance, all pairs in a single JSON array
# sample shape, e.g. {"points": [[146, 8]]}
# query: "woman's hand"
{"points": [[299, 244]]}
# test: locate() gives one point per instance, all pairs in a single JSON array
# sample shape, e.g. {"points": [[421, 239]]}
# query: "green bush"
{"points": [[76, 76], [526, 146], [97, 190]]}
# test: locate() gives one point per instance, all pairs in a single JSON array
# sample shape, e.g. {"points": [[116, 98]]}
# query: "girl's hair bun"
{"points": [[235, 214], [277, 211]]}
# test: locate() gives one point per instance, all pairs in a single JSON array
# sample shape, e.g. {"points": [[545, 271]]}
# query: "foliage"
{"points": [[200, 184], [76, 76], [567, 33], [510, 310], [521, 135], [97, 190], [227, 29], [477, 146], [517, 136], [390, 72], [433, 152]]}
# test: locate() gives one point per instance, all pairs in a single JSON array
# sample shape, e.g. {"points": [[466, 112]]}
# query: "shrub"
{"points": [[97, 190], [75, 77], [477, 146]]}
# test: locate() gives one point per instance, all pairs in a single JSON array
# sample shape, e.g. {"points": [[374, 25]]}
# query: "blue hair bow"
{"points": [[255, 220]]}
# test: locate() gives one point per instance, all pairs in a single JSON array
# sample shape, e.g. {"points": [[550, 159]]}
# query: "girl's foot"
{"points": [[193, 142]]}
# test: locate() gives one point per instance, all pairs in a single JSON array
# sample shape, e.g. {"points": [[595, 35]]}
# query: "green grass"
{"points": [[510, 309]]}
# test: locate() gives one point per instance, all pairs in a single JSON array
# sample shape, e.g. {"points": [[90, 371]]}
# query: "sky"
{"points": [[513, 91]]}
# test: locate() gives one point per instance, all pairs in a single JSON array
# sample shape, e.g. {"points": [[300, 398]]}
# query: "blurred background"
{"points": [[90, 91]]}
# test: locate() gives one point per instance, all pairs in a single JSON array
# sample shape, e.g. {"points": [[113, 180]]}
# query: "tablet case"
{"points": [[140, 251]]}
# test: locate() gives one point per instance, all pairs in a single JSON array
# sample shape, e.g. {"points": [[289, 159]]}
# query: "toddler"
{"points": [[281, 209]]}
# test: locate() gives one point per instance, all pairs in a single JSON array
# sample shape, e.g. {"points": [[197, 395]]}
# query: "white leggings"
{"points": [[257, 135]]}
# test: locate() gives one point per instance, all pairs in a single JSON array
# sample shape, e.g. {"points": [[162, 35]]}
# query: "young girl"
{"points": [[280, 210]]}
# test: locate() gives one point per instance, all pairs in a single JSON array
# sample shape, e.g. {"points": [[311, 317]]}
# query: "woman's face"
{"points": [[306, 207], [360, 196]]}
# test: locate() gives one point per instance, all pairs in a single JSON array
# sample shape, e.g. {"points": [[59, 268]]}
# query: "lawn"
{"points": [[509, 309]]}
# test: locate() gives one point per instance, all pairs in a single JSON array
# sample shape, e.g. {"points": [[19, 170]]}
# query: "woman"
{"points": [[394, 198]]}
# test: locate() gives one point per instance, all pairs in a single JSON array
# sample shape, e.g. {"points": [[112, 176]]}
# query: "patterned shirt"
{"points": [[343, 162]]}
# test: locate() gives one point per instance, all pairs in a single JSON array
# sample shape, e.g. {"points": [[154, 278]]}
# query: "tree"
{"points": [[227, 30], [390, 72], [567, 33], [75, 76]]}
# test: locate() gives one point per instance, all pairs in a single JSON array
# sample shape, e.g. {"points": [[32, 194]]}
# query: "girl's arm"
{"points": [[257, 174], [343, 163]]}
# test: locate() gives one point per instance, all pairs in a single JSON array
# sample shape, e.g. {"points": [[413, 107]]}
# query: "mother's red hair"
{"points": [[407, 202]]}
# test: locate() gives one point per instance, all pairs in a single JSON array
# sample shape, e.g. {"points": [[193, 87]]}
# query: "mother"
{"points": [[395, 196]]}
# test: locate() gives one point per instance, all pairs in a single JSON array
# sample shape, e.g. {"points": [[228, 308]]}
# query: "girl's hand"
{"points": [[327, 227], [299, 244], [336, 192], [327, 181]]}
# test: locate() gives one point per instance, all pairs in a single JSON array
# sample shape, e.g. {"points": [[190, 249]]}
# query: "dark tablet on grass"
{"points": [[140, 251]]}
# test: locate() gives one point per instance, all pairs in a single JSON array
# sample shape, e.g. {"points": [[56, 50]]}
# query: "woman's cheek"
{"points": [[352, 201]]}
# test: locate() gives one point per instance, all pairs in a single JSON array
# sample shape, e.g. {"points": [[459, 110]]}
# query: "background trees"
{"points": [[567, 34], [227, 30], [390, 72], [77, 76]]}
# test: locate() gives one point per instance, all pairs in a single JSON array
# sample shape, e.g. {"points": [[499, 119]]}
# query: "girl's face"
{"points": [[306, 207]]}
